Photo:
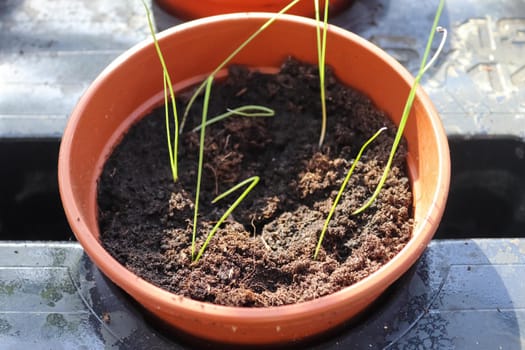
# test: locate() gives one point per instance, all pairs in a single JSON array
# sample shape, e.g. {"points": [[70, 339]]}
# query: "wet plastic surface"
{"points": [[461, 294], [464, 293]]}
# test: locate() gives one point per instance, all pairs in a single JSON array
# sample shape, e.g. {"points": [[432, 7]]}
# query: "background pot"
{"points": [[125, 91], [187, 9]]}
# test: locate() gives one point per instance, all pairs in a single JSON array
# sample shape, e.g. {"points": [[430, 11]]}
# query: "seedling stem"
{"points": [[408, 106], [173, 147], [321, 58], [252, 181], [341, 190], [209, 82]]}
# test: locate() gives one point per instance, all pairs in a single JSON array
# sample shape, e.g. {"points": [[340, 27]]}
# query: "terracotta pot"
{"points": [[202, 8], [132, 85]]}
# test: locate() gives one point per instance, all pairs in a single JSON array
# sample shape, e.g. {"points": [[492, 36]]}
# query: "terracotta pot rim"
{"points": [[164, 299]]}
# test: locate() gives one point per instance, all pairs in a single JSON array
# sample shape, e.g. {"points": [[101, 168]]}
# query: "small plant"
{"points": [[173, 146], [321, 59], [251, 182], [247, 111], [399, 134], [410, 100], [341, 190]]}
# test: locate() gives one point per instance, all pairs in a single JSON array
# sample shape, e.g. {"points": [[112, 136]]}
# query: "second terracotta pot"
{"points": [[132, 86], [192, 9]]}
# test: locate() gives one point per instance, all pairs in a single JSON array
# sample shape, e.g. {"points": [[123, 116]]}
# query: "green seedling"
{"points": [[342, 189], [209, 82], [251, 182], [173, 149], [410, 100], [321, 59], [406, 111]]}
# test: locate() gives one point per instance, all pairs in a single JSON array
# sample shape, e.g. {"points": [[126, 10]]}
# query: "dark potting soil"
{"points": [[262, 254]]}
